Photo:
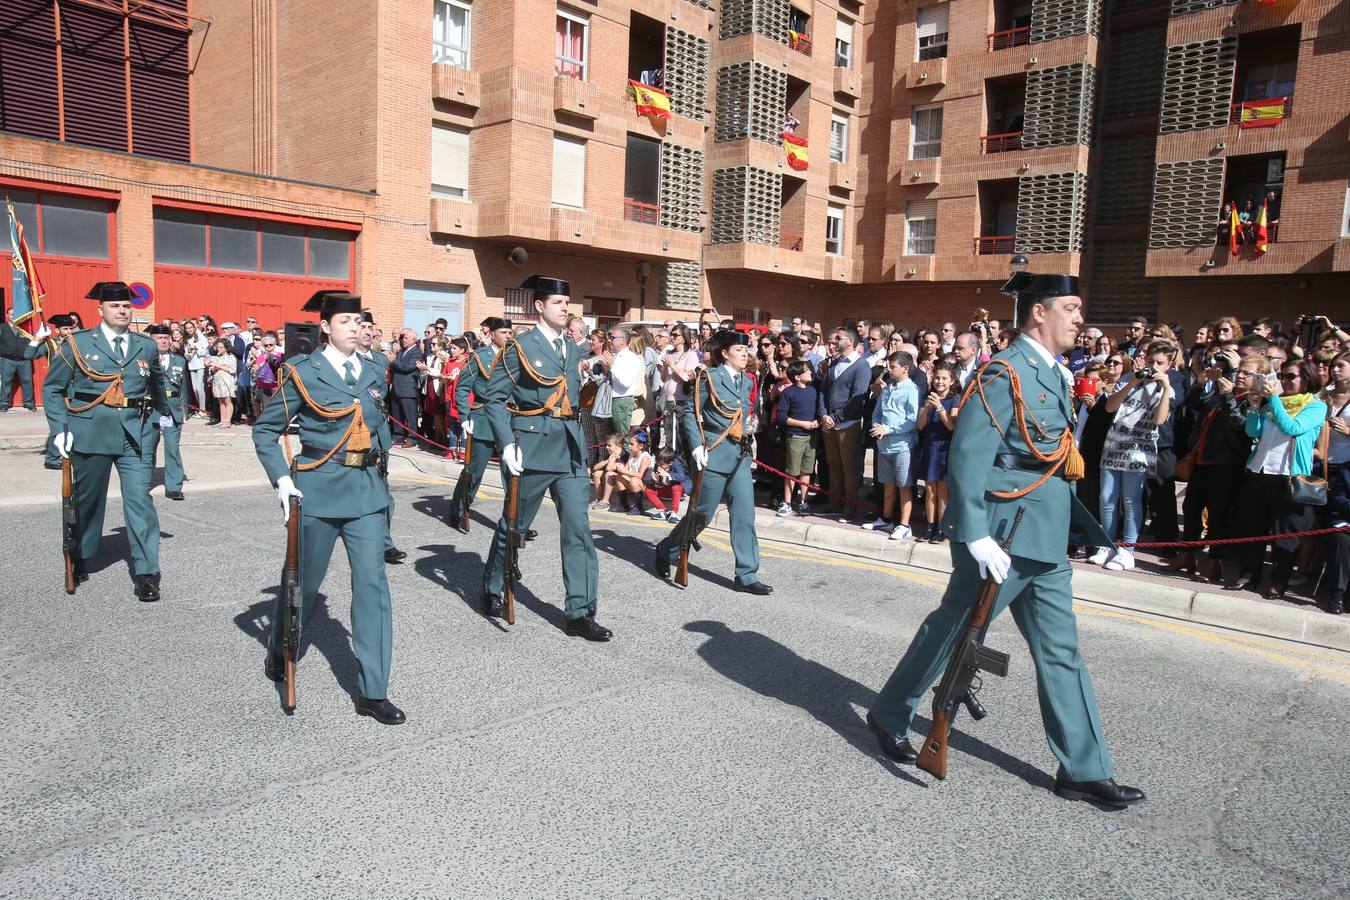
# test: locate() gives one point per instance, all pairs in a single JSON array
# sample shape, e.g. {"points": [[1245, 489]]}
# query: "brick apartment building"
{"points": [[233, 155]]}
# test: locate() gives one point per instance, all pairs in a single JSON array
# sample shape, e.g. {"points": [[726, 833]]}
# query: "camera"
{"points": [[1215, 360], [1146, 373]]}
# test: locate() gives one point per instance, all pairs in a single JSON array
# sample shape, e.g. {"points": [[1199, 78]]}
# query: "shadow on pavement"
{"points": [[454, 571], [641, 554], [319, 630], [438, 507]]}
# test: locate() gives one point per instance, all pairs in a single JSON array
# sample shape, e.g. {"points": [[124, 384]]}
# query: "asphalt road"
{"points": [[715, 748]]}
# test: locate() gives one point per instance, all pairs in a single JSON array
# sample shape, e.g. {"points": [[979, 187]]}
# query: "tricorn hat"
{"points": [[109, 291], [492, 323], [61, 320], [546, 285], [329, 303], [157, 329], [367, 316], [1028, 289], [730, 338]]}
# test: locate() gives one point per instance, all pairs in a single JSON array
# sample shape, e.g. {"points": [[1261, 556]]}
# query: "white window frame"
{"points": [[925, 234], [450, 190], [442, 51], [584, 22], [937, 39], [568, 140], [843, 46], [914, 130], [834, 218], [839, 148], [1345, 215]]}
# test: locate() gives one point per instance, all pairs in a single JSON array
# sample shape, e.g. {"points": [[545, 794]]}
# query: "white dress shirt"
{"points": [[111, 337], [338, 360], [627, 373], [1049, 358]]}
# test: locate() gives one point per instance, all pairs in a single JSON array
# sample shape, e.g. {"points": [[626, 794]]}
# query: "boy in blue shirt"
{"points": [[797, 416], [896, 429]]}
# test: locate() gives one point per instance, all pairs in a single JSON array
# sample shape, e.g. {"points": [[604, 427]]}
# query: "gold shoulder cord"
{"points": [[356, 438], [1066, 451], [485, 373], [558, 400], [734, 417], [112, 395]]}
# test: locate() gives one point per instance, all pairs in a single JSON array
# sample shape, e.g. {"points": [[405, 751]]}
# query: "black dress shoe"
{"points": [[588, 628], [274, 667], [174, 495], [381, 711], [1274, 592], [147, 588], [898, 749], [1336, 606], [758, 588], [51, 465], [81, 570], [661, 566], [531, 534], [1106, 792], [460, 525], [395, 555], [492, 605]]}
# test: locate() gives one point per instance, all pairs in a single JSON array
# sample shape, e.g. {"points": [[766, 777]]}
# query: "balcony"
{"points": [[799, 42], [926, 73], [995, 245], [574, 97], [455, 85], [641, 213], [920, 171], [848, 82], [790, 240], [1013, 37], [1001, 143], [1261, 113]]}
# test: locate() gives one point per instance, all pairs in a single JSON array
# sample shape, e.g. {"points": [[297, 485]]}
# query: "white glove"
{"points": [[286, 489], [991, 559], [468, 427], [700, 456], [42, 332], [165, 423], [511, 457], [62, 443]]}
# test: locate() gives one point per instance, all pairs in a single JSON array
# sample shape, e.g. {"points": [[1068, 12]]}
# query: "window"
{"points": [[641, 177], [449, 161], [1269, 82], [74, 226], [920, 227], [180, 238], [283, 248], [425, 301], [571, 45], [843, 43], [234, 244], [1345, 219], [569, 172], [925, 132], [834, 229], [932, 32], [187, 238], [838, 138], [450, 33], [329, 254]]}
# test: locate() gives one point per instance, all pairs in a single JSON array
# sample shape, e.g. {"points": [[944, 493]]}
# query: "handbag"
{"points": [[1305, 489], [1185, 467]]}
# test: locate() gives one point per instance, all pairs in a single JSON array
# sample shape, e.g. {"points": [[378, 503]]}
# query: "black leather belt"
{"points": [[546, 413], [352, 459], [1019, 462], [129, 402]]}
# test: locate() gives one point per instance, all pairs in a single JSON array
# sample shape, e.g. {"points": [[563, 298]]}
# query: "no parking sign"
{"points": [[141, 294]]}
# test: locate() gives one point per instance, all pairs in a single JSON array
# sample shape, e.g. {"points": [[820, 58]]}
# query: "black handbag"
{"points": [[1307, 490]]}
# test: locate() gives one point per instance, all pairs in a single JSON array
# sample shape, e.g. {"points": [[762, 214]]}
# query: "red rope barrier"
{"points": [[814, 488], [1220, 542]]}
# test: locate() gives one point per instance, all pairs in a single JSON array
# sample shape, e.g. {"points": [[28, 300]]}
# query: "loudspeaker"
{"points": [[301, 338], [518, 256]]}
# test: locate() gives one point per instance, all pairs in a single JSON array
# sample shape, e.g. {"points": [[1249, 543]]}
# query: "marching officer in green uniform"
{"points": [[171, 426], [1014, 448], [482, 444], [103, 391], [43, 344], [717, 425], [531, 402], [336, 396], [365, 347]]}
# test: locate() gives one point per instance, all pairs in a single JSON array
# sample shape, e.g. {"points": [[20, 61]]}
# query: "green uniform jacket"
{"points": [[474, 377], [100, 428], [174, 376], [332, 491], [547, 444], [1053, 514], [724, 456]]}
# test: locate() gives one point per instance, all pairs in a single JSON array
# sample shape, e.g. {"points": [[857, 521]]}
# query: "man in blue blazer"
{"points": [[843, 395], [406, 366]]}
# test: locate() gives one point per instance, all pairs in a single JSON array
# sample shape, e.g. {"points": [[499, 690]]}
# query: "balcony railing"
{"points": [[790, 240], [1013, 37], [800, 42], [995, 245], [1248, 235], [1261, 113], [642, 213], [1001, 143]]}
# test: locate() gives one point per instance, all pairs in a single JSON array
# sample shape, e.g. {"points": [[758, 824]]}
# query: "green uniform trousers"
{"points": [[389, 520], [471, 476], [1041, 597], [738, 490], [173, 456], [571, 494], [134, 470], [372, 609]]}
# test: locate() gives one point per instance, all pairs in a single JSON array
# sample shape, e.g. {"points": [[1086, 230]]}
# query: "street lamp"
{"points": [[1018, 264], [644, 271]]}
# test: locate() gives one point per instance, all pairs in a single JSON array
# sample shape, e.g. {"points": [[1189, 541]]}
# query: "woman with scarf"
{"points": [[1285, 419]]}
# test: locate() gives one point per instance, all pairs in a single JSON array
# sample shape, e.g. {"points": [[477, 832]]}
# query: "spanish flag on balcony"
{"points": [[1234, 228], [1262, 231], [1262, 113], [651, 102], [795, 147]]}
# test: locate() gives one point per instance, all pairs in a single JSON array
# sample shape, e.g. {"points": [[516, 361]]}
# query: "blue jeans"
{"points": [[1128, 488]]}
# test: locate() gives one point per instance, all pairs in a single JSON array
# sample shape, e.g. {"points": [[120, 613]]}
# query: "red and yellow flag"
{"points": [[1262, 113], [795, 148], [1233, 227], [651, 102], [1262, 231]]}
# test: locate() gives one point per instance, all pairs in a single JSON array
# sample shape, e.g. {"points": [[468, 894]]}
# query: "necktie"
{"points": [[736, 384], [121, 344], [349, 371], [557, 348]]}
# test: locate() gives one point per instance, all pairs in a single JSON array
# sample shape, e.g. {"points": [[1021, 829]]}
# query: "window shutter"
{"points": [[921, 209], [569, 172], [932, 21], [843, 30], [449, 161]]}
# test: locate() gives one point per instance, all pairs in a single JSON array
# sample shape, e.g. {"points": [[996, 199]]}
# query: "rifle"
{"points": [[468, 488], [514, 541], [690, 526], [290, 599], [960, 682], [70, 522]]}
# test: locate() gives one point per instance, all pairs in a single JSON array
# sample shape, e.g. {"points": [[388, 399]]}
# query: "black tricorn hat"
{"points": [[1028, 289], [157, 329], [329, 303], [109, 291], [729, 338], [546, 285], [367, 316], [61, 320], [492, 323]]}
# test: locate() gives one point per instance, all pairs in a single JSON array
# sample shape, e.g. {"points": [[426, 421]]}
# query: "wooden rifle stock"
{"points": [[290, 599], [468, 492], [512, 549], [69, 522], [689, 523]]}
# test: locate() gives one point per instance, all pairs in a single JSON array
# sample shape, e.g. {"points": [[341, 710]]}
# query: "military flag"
{"points": [[28, 292]]}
